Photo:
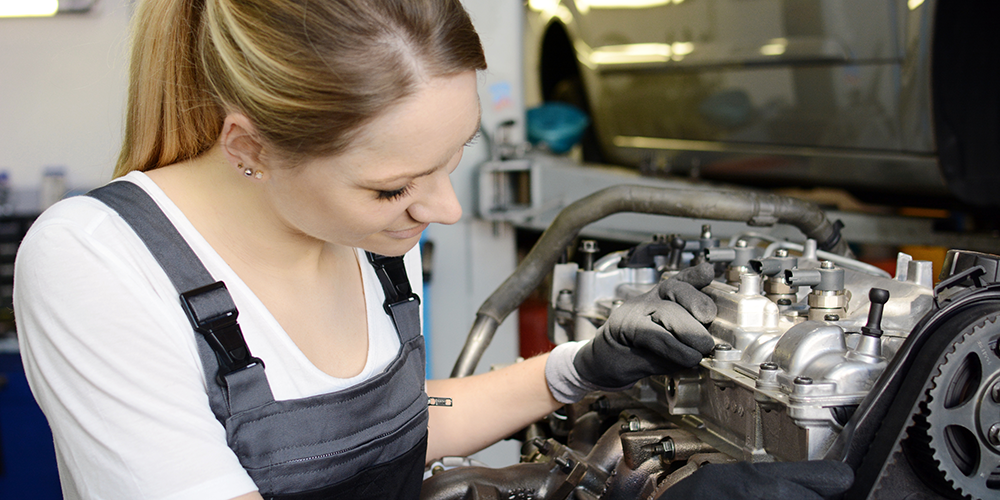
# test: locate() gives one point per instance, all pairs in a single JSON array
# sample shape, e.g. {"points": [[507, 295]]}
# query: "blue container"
{"points": [[556, 124], [27, 457]]}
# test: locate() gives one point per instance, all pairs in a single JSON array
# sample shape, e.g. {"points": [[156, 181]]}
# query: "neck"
{"points": [[230, 211]]}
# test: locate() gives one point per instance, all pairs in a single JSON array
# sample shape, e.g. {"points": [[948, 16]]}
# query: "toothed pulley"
{"points": [[960, 414]]}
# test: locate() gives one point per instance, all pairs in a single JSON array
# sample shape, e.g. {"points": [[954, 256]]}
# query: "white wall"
{"points": [[62, 94]]}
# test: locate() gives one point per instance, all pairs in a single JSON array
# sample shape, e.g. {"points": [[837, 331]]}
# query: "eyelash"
{"points": [[403, 191], [393, 195]]}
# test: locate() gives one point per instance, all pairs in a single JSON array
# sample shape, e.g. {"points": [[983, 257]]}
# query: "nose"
{"points": [[438, 203]]}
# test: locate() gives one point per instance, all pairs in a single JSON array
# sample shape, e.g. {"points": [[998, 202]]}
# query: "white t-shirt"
{"points": [[112, 358]]}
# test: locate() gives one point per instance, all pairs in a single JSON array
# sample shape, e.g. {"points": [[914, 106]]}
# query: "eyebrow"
{"points": [[435, 168]]}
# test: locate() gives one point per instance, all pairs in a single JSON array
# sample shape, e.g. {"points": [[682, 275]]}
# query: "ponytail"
{"points": [[171, 114]]}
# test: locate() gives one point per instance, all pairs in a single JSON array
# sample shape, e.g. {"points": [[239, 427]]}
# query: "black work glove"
{"points": [[815, 480], [655, 333]]}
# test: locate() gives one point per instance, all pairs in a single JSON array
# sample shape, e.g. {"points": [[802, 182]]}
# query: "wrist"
{"points": [[564, 381]]}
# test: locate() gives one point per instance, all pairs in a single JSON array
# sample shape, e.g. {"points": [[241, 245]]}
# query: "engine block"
{"points": [[781, 382], [817, 356]]}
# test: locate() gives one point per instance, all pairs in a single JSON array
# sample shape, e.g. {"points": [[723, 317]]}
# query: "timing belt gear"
{"points": [[883, 440], [956, 434]]}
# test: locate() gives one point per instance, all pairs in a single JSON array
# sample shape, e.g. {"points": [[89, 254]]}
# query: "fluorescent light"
{"points": [[43, 8], [775, 47], [682, 48], [913, 4], [28, 8], [627, 4], [636, 53]]}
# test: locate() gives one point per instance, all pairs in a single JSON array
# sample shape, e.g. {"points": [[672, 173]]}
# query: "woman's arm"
{"points": [[487, 407], [112, 362]]}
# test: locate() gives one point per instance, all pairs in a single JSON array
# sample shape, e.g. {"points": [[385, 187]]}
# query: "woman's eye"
{"points": [[394, 194]]}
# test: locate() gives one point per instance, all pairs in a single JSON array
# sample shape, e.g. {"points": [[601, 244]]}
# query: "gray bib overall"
{"points": [[365, 442]]}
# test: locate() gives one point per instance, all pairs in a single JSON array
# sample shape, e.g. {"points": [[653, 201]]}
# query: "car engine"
{"points": [[818, 356]]}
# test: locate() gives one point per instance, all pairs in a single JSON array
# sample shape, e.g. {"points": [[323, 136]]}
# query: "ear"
{"points": [[240, 141]]}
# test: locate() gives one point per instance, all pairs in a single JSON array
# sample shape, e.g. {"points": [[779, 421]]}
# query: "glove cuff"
{"points": [[564, 381]]}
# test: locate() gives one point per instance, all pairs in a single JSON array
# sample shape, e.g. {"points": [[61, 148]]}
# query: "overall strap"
{"points": [[207, 302], [401, 304]]}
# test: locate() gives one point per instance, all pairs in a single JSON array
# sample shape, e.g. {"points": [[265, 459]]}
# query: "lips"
{"points": [[406, 233]]}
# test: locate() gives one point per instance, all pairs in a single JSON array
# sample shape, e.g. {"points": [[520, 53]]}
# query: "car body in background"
{"points": [[891, 98]]}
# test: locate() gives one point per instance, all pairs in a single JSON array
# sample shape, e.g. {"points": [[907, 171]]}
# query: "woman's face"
{"points": [[383, 191]]}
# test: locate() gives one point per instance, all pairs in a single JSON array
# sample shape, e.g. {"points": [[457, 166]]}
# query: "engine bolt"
{"points": [[826, 264], [741, 244], [781, 252], [664, 449], [803, 380], [994, 435], [995, 392], [831, 317], [768, 366], [633, 425], [565, 465], [706, 231], [602, 405], [588, 248], [723, 347], [544, 447]]}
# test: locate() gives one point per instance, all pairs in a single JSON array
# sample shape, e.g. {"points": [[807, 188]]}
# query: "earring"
{"points": [[249, 172]]}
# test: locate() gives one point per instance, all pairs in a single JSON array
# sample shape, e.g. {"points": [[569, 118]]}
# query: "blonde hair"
{"points": [[308, 73]]}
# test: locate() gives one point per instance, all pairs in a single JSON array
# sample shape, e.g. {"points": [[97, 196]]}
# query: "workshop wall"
{"points": [[62, 94]]}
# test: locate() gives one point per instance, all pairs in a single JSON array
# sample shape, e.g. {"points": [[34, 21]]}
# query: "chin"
{"points": [[391, 247]]}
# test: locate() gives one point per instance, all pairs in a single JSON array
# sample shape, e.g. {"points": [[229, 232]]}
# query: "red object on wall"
{"points": [[533, 325]]}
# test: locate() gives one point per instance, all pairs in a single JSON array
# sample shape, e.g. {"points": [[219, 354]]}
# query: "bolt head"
{"points": [[995, 392], [826, 264], [768, 366], [994, 434], [781, 252], [666, 449], [565, 465], [803, 380], [723, 347], [741, 244]]}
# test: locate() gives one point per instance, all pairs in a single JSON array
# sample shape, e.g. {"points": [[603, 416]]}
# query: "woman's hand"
{"points": [[658, 332]]}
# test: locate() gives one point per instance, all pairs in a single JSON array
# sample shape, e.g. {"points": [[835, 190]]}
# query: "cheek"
{"points": [[360, 218]]}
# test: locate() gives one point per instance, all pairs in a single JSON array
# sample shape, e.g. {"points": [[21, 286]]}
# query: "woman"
{"points": [[289, 144]]}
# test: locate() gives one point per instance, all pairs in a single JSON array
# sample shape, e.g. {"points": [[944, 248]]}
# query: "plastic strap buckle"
{"points": [[213, 314], [391, 273]]}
